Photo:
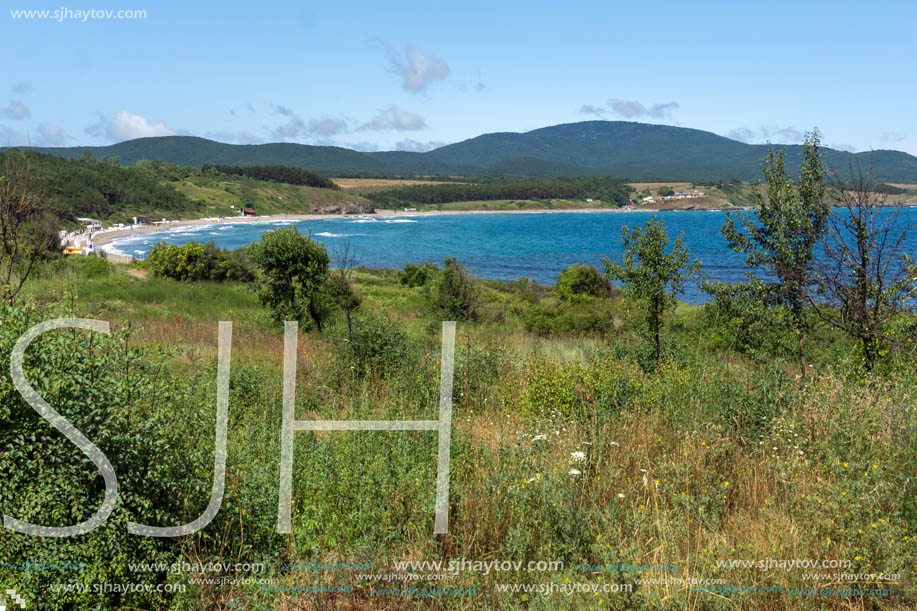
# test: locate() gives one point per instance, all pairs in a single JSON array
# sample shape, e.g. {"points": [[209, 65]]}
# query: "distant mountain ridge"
{"points": [[619, 149]]}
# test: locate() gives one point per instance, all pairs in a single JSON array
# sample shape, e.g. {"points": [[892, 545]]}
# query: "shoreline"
{"points": [[106, 237]]}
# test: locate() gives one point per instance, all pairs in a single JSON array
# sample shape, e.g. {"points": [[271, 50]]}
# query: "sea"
{"points": [[503, 246]]}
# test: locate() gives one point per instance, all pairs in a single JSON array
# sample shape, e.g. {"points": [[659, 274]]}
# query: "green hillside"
{"points": [[197, 152], [74, 188], [619, 149]]}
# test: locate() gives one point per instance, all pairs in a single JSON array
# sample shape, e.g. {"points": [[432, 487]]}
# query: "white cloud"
{"points": [[414, 146], [633, 109], [742, 134], [760, 135], [125, 125], [395, 118], [17, 110], [417, 70], [327, 126], [11, 137], [365, 147], [840, 146], [293, 128], [589, 109], [241, 137], [51, 135]]}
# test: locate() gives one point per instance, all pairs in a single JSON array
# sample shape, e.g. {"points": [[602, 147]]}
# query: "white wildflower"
{"points": [[578, 456], [575, 472]]}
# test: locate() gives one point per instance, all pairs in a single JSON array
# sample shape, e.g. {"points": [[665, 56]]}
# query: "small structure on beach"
{"points": [[249, 211], [146, 220]]}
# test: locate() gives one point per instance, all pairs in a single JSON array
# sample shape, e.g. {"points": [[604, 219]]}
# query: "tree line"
{"points": [[274, 173], [73, 188], [607, 190]]}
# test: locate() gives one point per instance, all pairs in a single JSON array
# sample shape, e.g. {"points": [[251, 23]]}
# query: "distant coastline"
{"points": [[105, 237]]}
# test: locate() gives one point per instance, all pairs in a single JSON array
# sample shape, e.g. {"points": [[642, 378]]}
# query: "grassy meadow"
{"points": [[568, 444]]}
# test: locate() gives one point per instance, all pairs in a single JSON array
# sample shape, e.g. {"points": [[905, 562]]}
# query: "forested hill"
{"points": [[617, 149], [73, 188]]}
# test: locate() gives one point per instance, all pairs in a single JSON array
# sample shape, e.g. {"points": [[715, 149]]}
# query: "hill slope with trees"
{"points": [[617, 149]]}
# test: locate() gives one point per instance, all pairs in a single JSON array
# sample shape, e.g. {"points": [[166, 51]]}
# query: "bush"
{"points": [[294, 276], [588, 315], [380, 346], [418, 275], [578, 280], [123, 400], [454, 293], [193, 261]]}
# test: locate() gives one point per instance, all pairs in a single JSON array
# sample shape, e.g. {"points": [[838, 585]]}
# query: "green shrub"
{"points": [[578, 280], [380, 346], [294, 276], [588, 315], [415, 275], [123, 399], [194, 261], [455, 295]]}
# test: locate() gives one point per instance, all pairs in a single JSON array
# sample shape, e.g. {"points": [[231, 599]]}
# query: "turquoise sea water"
{"points": [[501, 246]]}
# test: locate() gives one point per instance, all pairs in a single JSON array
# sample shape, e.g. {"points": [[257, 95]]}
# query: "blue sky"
{"points": [[412, 75]]}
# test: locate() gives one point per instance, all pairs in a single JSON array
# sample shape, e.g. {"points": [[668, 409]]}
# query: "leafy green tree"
{"points": [[194, 261], [781, 238], [293, 276], [579, 280], [454, 294], [26, 229], [650, 276]]}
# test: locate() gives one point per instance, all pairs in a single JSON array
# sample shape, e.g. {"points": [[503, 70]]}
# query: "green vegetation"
{"points": [[619, 149], [580, 280], [679, 456], [573, 438], [194, 261], [293, 276], [781, 239], [274, 173], [651, 277], [609, 191], [454, 295], [73, 188]]}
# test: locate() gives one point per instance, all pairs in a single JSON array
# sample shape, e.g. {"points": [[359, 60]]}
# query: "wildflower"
{"points": [[620, 495], [539, 437], [578, 456], [575, 472]]}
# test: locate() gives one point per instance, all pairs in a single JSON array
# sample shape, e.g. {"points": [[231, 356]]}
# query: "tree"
{"points": [[293, 275], [341, 291], [26, 231], [782, 236], [579, 280], [454, 294], [866, 280], [650, 276]]}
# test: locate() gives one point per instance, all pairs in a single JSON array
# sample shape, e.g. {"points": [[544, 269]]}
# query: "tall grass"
{"points": [[714, 456]]}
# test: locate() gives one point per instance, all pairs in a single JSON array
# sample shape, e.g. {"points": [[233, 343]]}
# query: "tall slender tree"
{"points": [[780, 238], [650, 276], [26, 229]]}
